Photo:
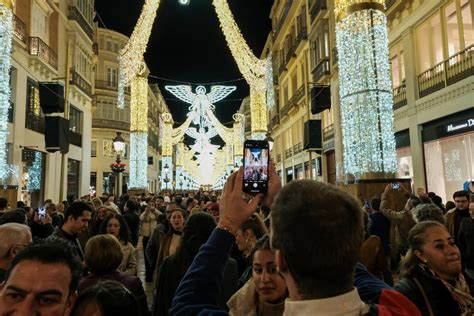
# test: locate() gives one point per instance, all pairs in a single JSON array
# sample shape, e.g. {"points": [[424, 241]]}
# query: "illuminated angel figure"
{"points": [[200, 101]]}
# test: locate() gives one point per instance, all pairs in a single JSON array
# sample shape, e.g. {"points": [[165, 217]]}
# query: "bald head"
{"points": [[12, 236]]}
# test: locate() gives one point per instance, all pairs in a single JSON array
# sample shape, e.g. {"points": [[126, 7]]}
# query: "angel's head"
{"points": [[201, 90]]}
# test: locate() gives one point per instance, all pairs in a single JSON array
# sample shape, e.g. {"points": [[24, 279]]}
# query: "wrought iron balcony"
{"points": [[389, 3], [109, 85], [321, 70], [400, 96], [328, 132], [302, 36], [112, 124], [291, 50], [81, 83], [448, 72], [19, 29], [41, 50], [275, 120], [315, 7], [288, 153], [282, 19], [76, 15]]}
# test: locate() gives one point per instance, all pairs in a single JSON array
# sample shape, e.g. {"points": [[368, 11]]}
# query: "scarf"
{"points": [[459, 291]]}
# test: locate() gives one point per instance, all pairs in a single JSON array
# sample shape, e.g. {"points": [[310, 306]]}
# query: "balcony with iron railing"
{"points": [[43, 52], [81, 83], [328, 132], [19, 29], [298, 148], [75, 138], [389, 3], [275, 120], [282, 19], [316, 7], [291, 53], [111, 124], [278, 158], [400, 96], [34, 122], [76, 15], [454, 69], [302, 36], [288, 153], [109, 86], [322, 69]]}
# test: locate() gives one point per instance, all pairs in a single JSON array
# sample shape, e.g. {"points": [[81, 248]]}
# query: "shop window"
{"points": [[405, 164], [449, 164], [32, 180], [73, 173]]}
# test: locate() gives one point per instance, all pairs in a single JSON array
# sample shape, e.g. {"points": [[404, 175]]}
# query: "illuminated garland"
{"points": [[365, 90], [35, 173], [131, 62], [139, 134], [138, 160], [256, 72], [6, 32]]}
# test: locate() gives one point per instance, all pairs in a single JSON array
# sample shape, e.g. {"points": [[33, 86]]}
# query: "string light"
{"points": [[131, 60], [6, 32], [255, 71], [138, 160], [35, 173], [139, 134], [365, 88]]}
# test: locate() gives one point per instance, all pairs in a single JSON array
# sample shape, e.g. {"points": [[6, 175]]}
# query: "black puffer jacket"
{"points": [[438, 296]]}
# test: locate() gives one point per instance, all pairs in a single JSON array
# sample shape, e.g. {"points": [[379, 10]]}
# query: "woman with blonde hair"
{"points": [[103, 255], [431, 275]]}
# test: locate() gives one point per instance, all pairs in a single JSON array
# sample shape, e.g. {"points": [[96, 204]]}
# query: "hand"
{"points": [[274, 185], [234, 210]]}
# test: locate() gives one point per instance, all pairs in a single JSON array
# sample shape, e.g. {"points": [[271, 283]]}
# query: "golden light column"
{"points": [[254, 70], [139, 134]]}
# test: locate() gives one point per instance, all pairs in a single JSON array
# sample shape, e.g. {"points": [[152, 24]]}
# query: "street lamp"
{"points": [[166, 169], [118, 167]]}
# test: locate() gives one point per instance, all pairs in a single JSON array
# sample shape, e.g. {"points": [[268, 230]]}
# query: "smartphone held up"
{"points": [[256, 163]]}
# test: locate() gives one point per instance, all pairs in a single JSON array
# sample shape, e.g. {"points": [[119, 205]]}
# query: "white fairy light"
{"points": [[35, 173], [365, 90], [6, 32], [131, 62]]}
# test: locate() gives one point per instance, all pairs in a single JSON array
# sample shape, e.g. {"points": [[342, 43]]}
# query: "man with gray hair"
{"points": [[13, 238]]}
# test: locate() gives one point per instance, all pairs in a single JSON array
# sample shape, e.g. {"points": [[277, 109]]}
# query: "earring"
{"points": [[426, 261]]}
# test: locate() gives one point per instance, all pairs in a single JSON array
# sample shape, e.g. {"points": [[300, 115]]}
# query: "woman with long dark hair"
{"points": [[197, 230], [116, 225]]}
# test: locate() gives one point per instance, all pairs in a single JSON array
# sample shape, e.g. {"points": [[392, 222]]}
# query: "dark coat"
{"points": [[72, 240], [438, 296], [132, 283], [170, 277], [466, 242], [133, 222]]}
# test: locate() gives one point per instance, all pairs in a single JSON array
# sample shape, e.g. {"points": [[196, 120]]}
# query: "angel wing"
{"points": [[212, 132], [184, 93], [191, 131], [219, 92]]}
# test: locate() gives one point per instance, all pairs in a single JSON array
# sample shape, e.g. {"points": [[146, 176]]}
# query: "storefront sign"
{"points": [[453, 128]]}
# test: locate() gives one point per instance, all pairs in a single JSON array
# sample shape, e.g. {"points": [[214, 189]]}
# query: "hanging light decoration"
{"points": [[6, 32], [256, 72], [365, 87], [131, 62], [139, 134]]}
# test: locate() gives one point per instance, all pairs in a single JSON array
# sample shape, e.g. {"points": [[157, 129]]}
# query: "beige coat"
{"points": [[148, 221], [129, 261]]}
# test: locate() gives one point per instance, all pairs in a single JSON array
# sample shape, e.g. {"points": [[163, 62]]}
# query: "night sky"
{"points": [[188, 45]]}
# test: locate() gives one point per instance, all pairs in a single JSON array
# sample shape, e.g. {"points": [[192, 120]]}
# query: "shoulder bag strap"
{"points": [[430, 310]]}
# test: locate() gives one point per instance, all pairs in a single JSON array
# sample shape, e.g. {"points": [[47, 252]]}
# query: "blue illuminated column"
{"points": [[365, 88], [6, 32]]}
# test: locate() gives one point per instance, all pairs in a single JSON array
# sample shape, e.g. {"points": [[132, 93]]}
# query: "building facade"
{"points": [[52, 42], [108, 119], [431, 55]]}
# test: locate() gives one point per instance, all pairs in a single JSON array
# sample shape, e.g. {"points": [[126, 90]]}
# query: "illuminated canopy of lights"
{"points": [[139, 134], [365, 87], [6, 32], [131, 60], [256, 72]]}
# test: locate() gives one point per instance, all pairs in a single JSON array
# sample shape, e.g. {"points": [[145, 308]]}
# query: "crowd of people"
{"points": [[305, 249]]}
